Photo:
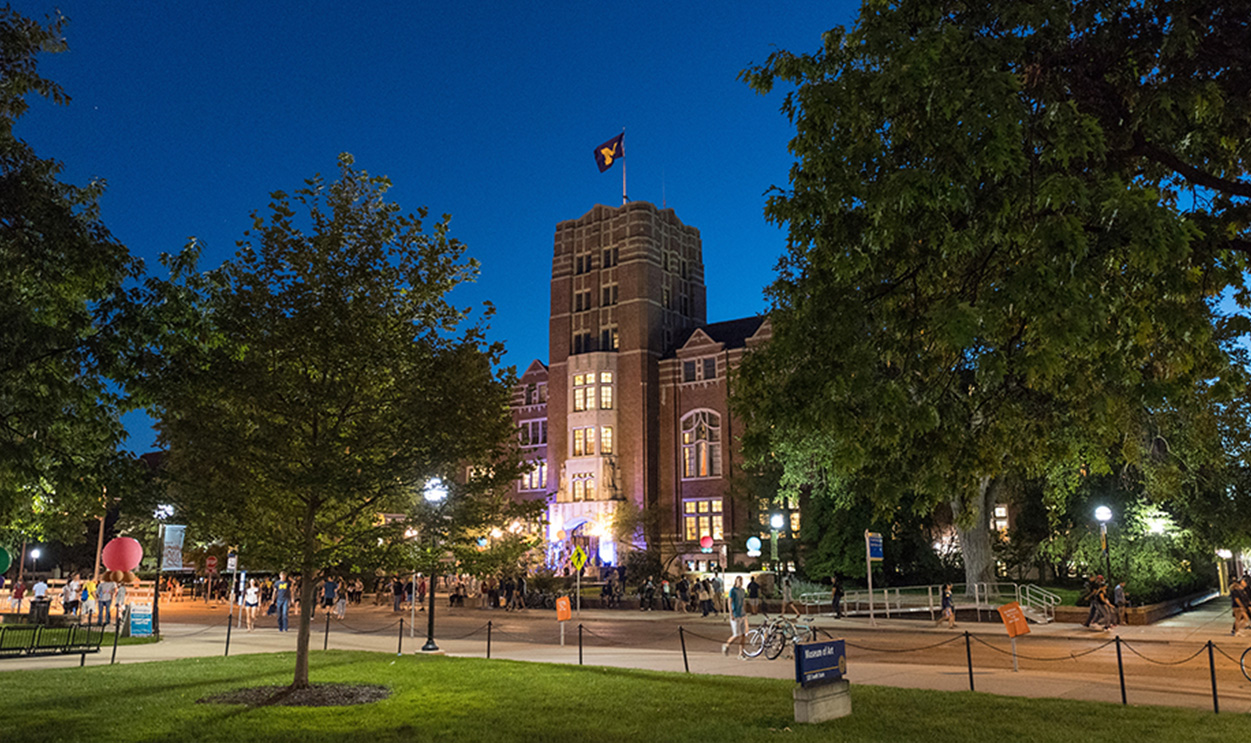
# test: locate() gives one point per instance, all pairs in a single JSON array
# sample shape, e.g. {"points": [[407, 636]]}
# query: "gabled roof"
{"points": [[729, 333], [535, 365]]}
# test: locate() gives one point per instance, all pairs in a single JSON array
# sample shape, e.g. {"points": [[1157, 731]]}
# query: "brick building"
{"points": [[632, 406]]}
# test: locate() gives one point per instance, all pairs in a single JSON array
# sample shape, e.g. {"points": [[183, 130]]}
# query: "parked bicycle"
{"points": [[775, 635]]}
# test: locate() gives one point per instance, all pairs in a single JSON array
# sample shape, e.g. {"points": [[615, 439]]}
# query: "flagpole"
{"points": [[624, 200]]}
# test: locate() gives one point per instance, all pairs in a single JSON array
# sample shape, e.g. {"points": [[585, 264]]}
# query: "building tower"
{"points": [[627, 284]]}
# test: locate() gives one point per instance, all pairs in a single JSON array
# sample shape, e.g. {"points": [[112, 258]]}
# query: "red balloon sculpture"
{"points": [[705, 542], [122, 554]]}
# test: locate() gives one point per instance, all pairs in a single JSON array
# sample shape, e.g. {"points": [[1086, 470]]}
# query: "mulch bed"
{"points": [[317, 695]]}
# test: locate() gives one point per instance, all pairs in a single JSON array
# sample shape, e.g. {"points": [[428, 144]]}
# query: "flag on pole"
{"points": [[607, 153]]}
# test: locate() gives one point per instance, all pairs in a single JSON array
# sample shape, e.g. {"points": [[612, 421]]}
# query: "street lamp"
{"points": [[776, 521], [34, 560], [435, 492], [161, 513], [1103, 515]]}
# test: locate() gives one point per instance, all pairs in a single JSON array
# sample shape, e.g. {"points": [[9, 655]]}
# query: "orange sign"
{"points": [[1014, 619], [564, 612]]}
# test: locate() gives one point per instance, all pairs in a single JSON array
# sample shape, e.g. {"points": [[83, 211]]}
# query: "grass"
{"points": [[462, 699]]}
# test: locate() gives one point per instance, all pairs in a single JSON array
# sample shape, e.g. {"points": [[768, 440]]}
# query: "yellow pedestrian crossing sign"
{"points": [[578, 559]]}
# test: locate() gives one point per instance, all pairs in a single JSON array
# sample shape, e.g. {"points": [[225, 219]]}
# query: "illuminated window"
{"points": [[605, 440], [702, 518], [583, 487], [605, 390], [701, 445], [583, 392], [536, 478], [794, 522], [583, 442], [1001, 517]]}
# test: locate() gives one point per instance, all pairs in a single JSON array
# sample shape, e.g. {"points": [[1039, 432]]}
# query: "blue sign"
{"points": [[875, 546], [819, 663], [141, 620]]}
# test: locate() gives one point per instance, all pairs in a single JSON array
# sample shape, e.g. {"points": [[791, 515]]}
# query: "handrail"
{"points": [[928, 598]]}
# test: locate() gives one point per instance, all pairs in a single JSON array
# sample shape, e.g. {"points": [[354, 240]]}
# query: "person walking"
{"points": [[1092, 588], [1238, 602], [949, 608], [788, 596], [753, 596], [282, 600], [329, 587], [684, 594], [1122, 602], [836, 595], [521, 592], [251, 602], [15, 598], [738, 619]]}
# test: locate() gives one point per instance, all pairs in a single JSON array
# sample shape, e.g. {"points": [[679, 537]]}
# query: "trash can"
{"points": [[39, 610]]}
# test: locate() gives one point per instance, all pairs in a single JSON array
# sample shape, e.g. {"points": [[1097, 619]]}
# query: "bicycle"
{"points": [[1242, 663], [785, 632]]}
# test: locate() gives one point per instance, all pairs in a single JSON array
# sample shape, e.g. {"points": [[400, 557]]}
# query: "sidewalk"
{"points": [[1170, 687]]}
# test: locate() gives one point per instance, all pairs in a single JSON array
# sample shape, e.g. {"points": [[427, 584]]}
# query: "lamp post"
{"points": [[34, 560], [776, 521], [1103, 515], [435, 492], [161, 513]]}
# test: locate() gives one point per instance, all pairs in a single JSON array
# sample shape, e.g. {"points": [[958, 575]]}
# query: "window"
{"points": [[702, 518], [608, 339], [699, 369], [583, 392], [701, 444], [610, 295], [536, 478], [605, 390], [534, 433], [610, 257], [582, 263], [536, 394], [583, 442], [583, 487], [582, 343], [582, 301], [1001, 517], [684, 305], [605, 440]]}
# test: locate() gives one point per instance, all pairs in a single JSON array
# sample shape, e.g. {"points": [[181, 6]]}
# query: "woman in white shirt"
{"points": [[251, 601]]}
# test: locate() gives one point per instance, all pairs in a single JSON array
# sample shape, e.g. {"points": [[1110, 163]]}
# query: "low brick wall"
{"points": [[1139, 615]]}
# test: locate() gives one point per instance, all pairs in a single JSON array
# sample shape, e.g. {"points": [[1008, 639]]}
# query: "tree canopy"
{"points": [[323, 377], [70, 318], [1010, 230]]}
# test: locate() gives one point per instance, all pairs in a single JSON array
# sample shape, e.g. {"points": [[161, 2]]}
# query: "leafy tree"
{"points": [[1010, 225], [70, 319], [323, 379]]}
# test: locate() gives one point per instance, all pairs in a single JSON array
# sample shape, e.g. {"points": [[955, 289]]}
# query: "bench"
{"points": [[24, 640]]}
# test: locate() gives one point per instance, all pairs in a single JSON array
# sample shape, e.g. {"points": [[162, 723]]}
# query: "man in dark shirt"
{"points": [[282, 600], [1238, 599], [753, 596]]}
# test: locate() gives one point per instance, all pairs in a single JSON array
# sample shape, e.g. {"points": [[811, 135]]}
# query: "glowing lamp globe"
{"points": [[705, 542], [122, 553], [1103, 513], [561, 535], [753, 544]]}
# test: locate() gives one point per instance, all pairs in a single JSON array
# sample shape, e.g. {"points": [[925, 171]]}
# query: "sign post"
{"points": [[578, 559], [563, 614], [872, 551], [1014, 621]]}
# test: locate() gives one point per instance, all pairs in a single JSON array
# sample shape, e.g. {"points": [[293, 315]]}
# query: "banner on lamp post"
{"points": [[171, 552]]}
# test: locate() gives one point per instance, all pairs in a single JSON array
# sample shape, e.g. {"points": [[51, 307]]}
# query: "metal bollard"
{"points": [[682, 638], [325, 645], [968, 653], [399, 648], [1120, 669], [579, 644], [117, 630], [488, 639], [228, 625], [1216, 705]]}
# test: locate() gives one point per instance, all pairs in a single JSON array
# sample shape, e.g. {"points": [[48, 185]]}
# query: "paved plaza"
{"points": [[1165, 664]]}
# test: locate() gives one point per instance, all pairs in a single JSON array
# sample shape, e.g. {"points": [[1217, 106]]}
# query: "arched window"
{"points": [[701, 445]]}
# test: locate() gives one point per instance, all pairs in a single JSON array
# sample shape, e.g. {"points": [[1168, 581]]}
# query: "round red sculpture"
{"points": [[122, 553], [705, 542]]}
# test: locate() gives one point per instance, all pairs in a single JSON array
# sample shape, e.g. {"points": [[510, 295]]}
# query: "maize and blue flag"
{"points": [[607, 153]]}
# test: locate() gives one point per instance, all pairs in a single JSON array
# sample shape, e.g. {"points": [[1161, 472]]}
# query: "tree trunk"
{"points": [[308, 590], [973, 530]]}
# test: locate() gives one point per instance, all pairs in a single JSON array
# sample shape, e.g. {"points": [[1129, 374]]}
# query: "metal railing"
{"points": [[903, 600]]}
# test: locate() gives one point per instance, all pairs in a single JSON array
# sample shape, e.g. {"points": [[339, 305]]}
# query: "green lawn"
{"points": [[438, 698]]}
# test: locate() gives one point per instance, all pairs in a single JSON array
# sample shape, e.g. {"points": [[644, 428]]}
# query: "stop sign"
{"points": [[210, 564]]}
